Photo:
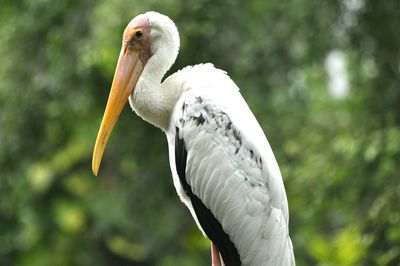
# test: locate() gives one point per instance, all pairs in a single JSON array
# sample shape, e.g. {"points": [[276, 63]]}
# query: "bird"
{"points": [[222, 164]]}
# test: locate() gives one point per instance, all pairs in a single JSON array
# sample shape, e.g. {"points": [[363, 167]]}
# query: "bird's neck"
{"points": [[152, 100]]}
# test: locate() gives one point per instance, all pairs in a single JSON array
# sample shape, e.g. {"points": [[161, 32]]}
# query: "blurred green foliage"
{"points": [[339, 155]]}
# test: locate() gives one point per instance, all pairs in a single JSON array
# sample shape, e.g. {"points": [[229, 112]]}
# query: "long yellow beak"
{"points": [[126, 75]]}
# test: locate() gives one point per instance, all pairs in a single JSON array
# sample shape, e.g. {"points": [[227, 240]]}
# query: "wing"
{"points": [[225, 172], [210, 225]]}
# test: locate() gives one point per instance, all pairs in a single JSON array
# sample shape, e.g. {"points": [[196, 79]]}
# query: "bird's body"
{"points": [[230, 166], [222, 164]]}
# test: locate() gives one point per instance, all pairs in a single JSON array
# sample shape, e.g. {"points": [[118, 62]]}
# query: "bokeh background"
{"points": [[322, 77]]}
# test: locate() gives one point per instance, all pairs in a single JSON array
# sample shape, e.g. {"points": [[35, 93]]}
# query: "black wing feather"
{"points": [[211, 226]]}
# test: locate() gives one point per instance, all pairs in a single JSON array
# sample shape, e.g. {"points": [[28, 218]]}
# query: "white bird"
{"points": [[222, 165]]}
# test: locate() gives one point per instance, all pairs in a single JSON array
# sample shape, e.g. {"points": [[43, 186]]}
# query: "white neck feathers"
{"points": [[150, 99]]}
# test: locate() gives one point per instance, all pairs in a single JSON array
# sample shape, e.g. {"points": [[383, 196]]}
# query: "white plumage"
{"points": [[239, 182], [226, 168]]}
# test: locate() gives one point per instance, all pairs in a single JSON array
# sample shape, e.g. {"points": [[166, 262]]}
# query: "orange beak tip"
{"points": [[95, 163]]}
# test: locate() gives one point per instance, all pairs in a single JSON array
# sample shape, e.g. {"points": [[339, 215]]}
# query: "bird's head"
{"points": [[150, 39]]}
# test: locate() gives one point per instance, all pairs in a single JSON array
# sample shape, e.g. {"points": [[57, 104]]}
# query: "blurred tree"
{"points": [[339, 155]]}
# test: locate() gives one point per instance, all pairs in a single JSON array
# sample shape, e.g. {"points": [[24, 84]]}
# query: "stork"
{"points": [[222, 165]]}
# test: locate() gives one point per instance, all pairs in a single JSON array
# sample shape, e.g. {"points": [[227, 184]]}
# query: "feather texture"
{"points": [[229, 167], [207, 220]]}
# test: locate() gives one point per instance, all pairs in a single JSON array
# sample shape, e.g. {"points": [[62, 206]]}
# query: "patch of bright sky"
{"points": [[335, 66]]}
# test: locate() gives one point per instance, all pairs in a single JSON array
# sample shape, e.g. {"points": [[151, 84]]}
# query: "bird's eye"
{"points": [[138, 34]]}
